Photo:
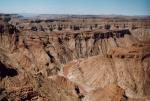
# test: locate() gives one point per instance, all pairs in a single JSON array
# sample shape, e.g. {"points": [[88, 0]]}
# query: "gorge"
{"points": [[74, 59]]}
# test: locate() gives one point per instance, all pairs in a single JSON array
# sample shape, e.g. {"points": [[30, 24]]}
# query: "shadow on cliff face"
{"points": [[117, 34], [5, 71]]}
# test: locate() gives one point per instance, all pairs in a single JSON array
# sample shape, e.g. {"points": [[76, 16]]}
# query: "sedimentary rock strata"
{"points": [[92, 60]]}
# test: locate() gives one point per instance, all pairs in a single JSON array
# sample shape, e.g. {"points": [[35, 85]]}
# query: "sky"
{"points": [[93, 7]]}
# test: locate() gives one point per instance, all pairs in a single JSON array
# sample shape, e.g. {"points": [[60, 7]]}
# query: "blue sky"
{"points": [[120, 7]]}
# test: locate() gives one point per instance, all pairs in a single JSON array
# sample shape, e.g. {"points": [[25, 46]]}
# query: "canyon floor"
{"points": [[74, 58]]}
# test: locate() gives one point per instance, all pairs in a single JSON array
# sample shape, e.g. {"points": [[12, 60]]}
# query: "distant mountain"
{"points": [[66, 16]]}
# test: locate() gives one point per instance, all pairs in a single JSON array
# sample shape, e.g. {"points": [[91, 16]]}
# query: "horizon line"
{"points": [[78, 14]]}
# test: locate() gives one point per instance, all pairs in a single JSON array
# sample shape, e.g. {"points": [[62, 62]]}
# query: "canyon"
{"points": [[74, 58]]}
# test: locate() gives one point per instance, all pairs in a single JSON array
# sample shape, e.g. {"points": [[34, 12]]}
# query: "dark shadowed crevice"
{"points": [[5, 71], [52, 59], [77, 90]]}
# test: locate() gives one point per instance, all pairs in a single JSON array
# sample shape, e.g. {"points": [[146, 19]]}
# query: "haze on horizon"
{"points": [[93, 7]]}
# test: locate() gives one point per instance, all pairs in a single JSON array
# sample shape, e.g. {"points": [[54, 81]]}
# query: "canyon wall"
{"points": [[72, 65]]}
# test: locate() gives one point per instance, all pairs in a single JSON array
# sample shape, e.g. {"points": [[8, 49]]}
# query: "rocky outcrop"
{"points": [[142, 34], [110, 93]]}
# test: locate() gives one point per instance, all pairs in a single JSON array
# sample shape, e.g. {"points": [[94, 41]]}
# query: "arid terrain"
{"points": [[74, 58]]}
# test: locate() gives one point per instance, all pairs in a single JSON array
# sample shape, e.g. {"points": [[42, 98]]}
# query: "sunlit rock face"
{"points": [[72, 60]]}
